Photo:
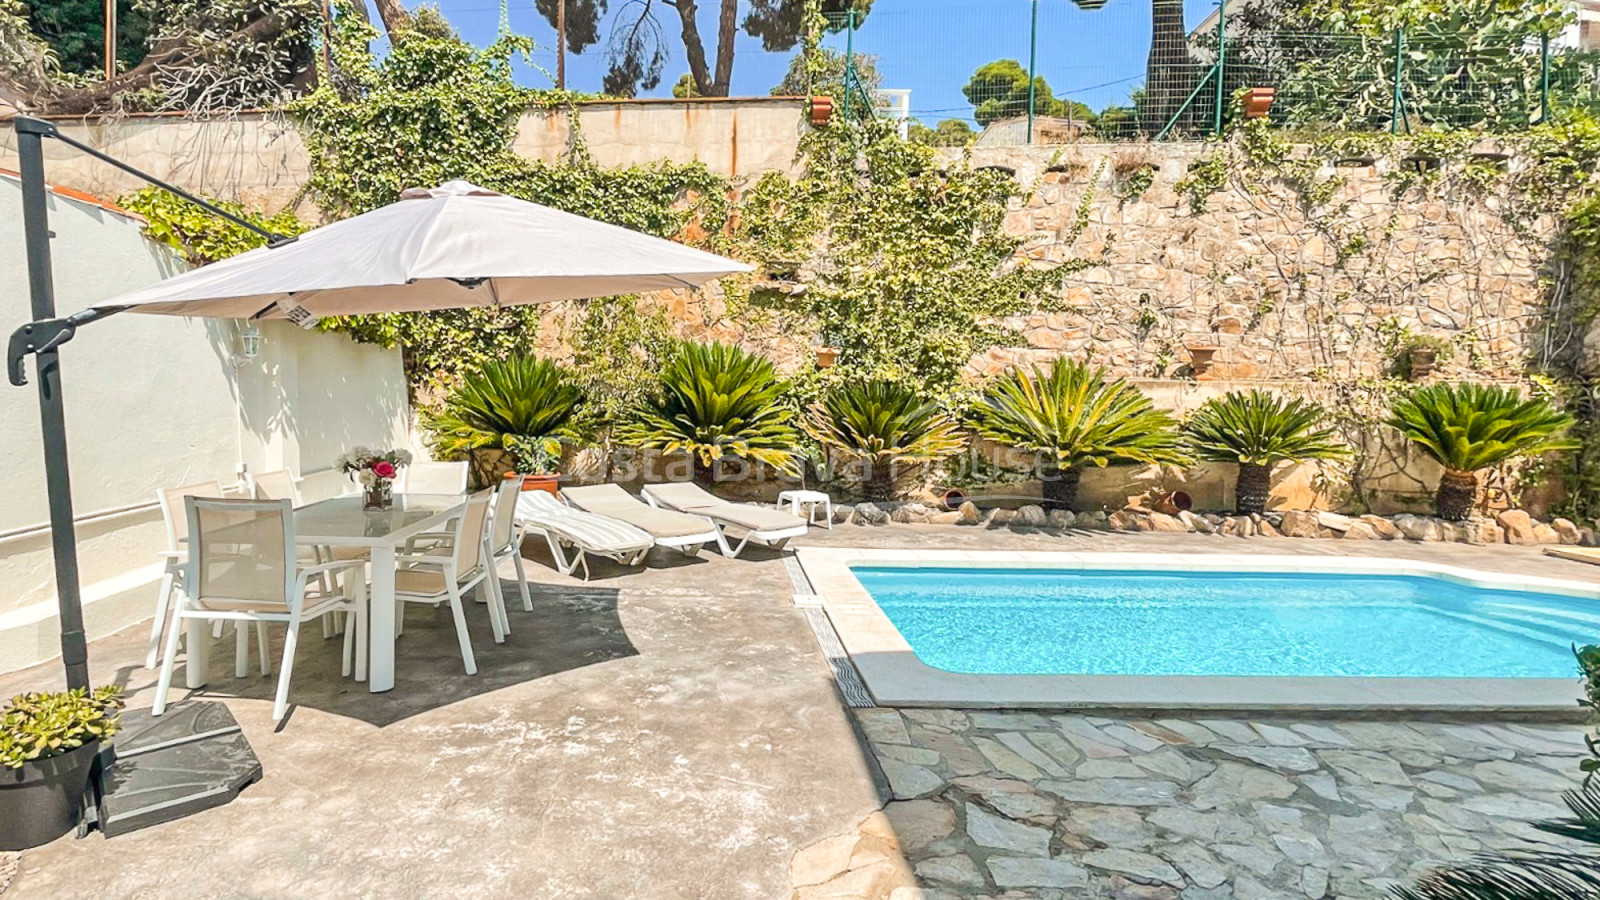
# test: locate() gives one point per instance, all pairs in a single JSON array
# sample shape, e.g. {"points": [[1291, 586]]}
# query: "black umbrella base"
{"points": [[190, 759]]}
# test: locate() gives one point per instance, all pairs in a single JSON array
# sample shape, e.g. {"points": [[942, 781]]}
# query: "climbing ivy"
{"points": [[200, 236], [902, 258], [435, 109]]}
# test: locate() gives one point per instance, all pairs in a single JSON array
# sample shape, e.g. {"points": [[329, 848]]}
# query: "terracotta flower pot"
{"points": [[821, 111], [1421, 361], [827, 357], [954, 497], [549, 483], [1201, 359], [1258, 102]]}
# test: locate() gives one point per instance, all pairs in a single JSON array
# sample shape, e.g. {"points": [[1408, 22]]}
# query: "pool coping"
{"points": [[896, 677]]}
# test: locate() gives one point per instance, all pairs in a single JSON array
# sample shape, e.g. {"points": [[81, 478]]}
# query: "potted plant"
{"points": [[375, 471], [536, 461], [1258, 431], [1202, 356], [1470, 427], [1422, 353], [1071, 417], [508, 403], [48, 743]]}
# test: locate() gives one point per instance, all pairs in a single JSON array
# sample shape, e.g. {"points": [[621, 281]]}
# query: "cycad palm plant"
{"points": [[885, 426], [509, 404], [1072, 417], [717, 400], [1258, 431], [1471, 427]]}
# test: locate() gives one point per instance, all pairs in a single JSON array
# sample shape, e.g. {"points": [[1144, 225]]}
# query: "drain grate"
{"points": [[851, 687]]}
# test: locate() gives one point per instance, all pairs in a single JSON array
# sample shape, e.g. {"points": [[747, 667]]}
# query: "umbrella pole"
{"points": [[52, 414]]}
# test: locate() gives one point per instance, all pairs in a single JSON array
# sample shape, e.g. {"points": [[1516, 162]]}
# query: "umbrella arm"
{"points": [[45, 334]]}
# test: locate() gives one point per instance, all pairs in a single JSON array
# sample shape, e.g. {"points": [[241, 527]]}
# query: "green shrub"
{"points": [[888, 428], [1471, 427], [716, 401], [521, 405], [1072, 417], [40, 726], [1258, 431]]}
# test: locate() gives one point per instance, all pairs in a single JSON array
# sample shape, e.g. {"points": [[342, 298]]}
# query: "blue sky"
{"points": [[928, 46]]}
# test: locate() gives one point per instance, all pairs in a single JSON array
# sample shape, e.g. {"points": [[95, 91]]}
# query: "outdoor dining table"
{"points": [[343, 522]]}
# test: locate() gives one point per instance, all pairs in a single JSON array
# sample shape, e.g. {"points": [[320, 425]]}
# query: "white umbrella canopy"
{"points": [[451, 247]]}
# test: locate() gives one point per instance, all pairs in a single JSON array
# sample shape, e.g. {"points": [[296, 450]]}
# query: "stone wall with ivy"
{"points": [[1322, 273]]}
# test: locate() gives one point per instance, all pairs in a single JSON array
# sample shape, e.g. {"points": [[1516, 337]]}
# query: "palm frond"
{"points": [[1257, 428], [886, 425], [717, 400], [1074, 415], [1473, 426], [518, 399]]}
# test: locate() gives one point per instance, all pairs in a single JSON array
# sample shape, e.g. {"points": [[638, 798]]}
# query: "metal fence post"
{"points": [[1399, 63], [1544, 78], [849, 60], [1033, 60], [1222, 66]]}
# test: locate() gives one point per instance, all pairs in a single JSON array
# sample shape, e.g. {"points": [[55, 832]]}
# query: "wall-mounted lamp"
{"points": [[249, 344]]}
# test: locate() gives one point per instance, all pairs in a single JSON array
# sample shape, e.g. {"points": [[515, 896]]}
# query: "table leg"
{"points": [[380, 666], [198, 660]]}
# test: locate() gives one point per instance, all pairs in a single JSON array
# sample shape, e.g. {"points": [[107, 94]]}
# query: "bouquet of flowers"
{"points": [[369, 467]]}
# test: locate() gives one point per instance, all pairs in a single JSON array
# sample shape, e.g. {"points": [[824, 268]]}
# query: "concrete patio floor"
{"points": [[672, 733]]}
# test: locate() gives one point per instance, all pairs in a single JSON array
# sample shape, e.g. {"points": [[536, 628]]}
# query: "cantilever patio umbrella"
{"points": [[454, 246]]}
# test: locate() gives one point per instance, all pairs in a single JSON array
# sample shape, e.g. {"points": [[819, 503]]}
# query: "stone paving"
{"points": [[1028, 805]]}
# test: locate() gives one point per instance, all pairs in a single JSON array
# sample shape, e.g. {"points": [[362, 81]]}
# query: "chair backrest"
{"points": [[279, 485], [505, 513], [684, 495], [173, 513], [469, 532], [241, 553], [433, 478], [602, 497]]}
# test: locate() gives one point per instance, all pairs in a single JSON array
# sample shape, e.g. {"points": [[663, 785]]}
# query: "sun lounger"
{"points": [[669, 529], [586, 533], [1576, 554], [770, 527]]}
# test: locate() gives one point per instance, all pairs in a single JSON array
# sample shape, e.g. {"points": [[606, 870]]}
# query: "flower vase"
{"points": [[379, 495]]}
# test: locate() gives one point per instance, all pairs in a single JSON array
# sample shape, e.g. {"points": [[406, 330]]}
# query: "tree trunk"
{"points": [[693, 48], [1169, 75], [394, 18], [1457, 491], [1252, 490], [1059, 487], [879, 483], [727, 30]]}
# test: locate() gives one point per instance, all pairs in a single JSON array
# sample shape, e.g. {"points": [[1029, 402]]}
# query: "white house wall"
{"points": [[154, 402]]}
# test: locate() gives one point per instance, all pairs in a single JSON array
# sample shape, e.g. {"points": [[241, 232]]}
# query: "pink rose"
{"points": [[383, 469]]}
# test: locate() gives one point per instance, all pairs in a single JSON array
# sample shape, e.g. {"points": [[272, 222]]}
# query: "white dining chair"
{"points": [[432, 478], [443, 574], [277, 485], [174, 557], [505, 538], [281, 484], [242, 568]]}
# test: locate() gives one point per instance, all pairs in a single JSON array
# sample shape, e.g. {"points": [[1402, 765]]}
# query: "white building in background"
{"points": [[155, 402], [894, 104], [1583, 34]]}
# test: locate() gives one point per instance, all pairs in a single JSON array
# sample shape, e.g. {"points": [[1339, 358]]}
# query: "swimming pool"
{"points": [[1197, 631], [1152, 622]]}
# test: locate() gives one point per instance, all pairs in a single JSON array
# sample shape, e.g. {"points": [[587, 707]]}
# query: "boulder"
{"points": [[1062, 518], [1333, 521], [945, 518], [1265, 528], [871, 514], [1196, 523], [843, 513], [999, 518], [1123, 520], [1587, 537], [1567, 531], [1359, 531], [1299, 523], [969, 514], [1544, 534], [910, 513], [1380, 526], [1095, 519], [1417, 528], [1244, 527], [1162, 522], [1518, 526], [1030, 516]]}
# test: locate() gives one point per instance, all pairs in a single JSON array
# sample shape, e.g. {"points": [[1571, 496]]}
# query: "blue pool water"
{"points": [[1088, 622]]}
